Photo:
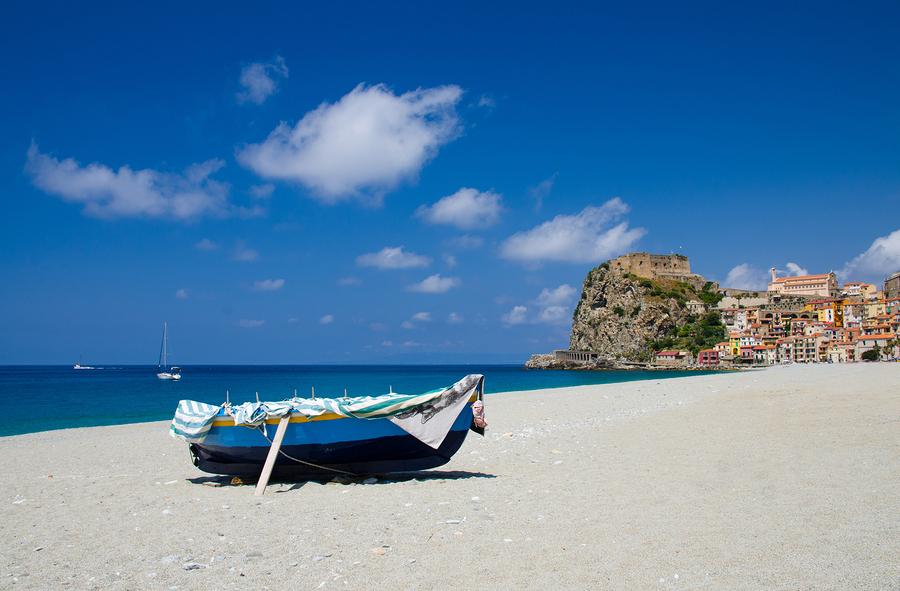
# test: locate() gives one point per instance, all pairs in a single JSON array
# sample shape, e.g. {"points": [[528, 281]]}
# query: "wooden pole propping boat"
{"points": [[273, 455]]}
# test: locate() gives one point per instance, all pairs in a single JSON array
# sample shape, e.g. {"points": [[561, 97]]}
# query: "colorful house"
{"points": [[769, 354], [867, 342], [827, 310], [708, 358], [723, 349], [860, 289], [734, 343]]}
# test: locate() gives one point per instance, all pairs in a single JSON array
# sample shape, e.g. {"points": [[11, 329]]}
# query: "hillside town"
{"points": [[650, 311], [801, 319]]}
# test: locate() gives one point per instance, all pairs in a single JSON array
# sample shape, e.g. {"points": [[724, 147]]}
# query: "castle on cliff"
{"points": [[659, 266]]}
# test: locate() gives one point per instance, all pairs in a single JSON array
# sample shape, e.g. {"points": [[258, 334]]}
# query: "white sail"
{"points": [[165, 372]]}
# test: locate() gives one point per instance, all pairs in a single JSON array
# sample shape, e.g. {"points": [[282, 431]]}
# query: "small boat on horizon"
{"points": [[165, 372], [318, 437], [79, 366]]}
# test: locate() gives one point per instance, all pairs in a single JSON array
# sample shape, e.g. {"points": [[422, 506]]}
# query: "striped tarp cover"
{"points": [[193, 419]]}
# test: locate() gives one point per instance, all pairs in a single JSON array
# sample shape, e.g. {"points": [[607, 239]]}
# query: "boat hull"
{"points": [[357, 446]]}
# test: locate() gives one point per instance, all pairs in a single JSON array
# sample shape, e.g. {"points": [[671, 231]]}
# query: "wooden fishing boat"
{"points": [[329, 436]]}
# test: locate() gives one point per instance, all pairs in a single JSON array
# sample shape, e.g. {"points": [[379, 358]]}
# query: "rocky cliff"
{"points": [[621, 315]]}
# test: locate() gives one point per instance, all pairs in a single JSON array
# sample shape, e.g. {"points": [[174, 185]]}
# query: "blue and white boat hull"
{"points": [[357, 446], [328, 436]]}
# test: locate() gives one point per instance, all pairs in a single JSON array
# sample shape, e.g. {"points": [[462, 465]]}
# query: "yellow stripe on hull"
{"points": [[297, 418]]}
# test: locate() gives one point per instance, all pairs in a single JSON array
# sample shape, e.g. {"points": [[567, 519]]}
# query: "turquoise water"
{"points": [[39, 398]]}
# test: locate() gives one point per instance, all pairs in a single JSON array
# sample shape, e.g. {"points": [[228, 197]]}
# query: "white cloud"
{"points": [[371, 140], [450, 260], [454, 318], [795, 269], [557, 296], [466, 242], [486, 101], [326, 319], [293, 320], [466, 209], [518, 315], [556, 304], [247, 323], [746, 276], [417, 317], [260, 80], [552, 306], [435, 284], [880, 259], [554, 315], [268, 285], [182, 294], [206, 244], [392, 257], [244, 254], [586, 237], [108, 193], [541, 190], [349, 281], [263, 191]]}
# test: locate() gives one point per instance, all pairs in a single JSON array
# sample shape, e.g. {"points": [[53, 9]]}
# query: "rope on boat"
{"points": [[292, 458]]}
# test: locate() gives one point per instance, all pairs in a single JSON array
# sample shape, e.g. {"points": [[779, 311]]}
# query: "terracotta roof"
{"points": [[801, 278]]}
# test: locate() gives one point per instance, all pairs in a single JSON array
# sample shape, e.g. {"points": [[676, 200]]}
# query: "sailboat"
{"points": [[172, 373]]}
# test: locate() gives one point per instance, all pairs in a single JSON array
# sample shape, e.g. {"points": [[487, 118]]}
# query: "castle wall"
{"points": [[892, 286], [653, 266]]}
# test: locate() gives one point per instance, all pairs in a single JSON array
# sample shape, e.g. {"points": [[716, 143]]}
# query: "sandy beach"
{"points": [[785, 478]]}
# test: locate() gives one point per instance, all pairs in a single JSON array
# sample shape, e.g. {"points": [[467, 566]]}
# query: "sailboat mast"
{"points": [[165, 344]]}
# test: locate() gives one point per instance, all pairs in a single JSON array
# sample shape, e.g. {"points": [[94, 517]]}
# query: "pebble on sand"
{"points": [[192, 566]]}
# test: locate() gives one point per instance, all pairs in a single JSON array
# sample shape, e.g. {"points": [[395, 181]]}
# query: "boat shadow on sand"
{"points": [[368, 480]]}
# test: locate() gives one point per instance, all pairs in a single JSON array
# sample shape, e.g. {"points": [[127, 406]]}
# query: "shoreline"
{"points": [[168, 413], [781, 479]]}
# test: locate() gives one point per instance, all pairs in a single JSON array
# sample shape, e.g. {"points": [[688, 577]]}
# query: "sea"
{"points": [[41, 398]]}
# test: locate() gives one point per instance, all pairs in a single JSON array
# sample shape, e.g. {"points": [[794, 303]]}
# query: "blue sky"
{"points": [[373, 184]]}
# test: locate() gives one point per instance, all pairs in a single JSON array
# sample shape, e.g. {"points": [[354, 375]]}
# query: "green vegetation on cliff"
{"points": [[624, 316], [697, 333]]}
